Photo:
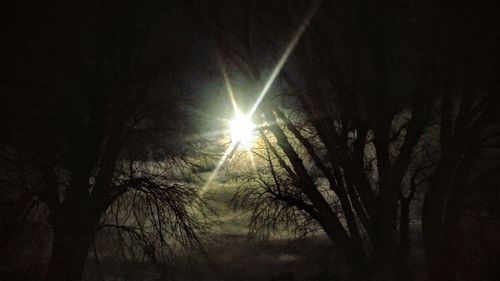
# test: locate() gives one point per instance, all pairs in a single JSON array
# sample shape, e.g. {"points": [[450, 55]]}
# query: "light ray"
{"points": [[227, 154], [277, 69], [290, 47], [229, 90], [227, 83]]}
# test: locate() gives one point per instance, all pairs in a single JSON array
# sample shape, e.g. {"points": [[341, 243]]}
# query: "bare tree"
{"points": [[104, 129], [366, 82], [464, 130]]}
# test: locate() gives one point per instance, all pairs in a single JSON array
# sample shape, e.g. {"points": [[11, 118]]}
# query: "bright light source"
{"points": [[241, 129]]}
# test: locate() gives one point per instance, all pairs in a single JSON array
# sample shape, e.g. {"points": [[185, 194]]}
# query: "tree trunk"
{"points": [[404, 227], [433, 235], [404, 238], [386, 240], [72, 238], [433, 231], [352, 254], [453, 233], [387, 263]]}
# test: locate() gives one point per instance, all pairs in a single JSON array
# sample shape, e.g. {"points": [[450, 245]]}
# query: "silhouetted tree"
{"points": [[93, 122], [345, 121], [468, 119], [351, 110], [464, 129]]}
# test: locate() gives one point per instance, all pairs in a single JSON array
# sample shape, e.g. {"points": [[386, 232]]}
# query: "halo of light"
{"points": [[241, 129]]}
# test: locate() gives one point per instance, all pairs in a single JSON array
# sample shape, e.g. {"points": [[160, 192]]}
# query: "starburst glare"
{"points": [[241, 128]]}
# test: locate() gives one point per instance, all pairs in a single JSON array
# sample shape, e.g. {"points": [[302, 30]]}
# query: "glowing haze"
{"points": [[241, 127]]}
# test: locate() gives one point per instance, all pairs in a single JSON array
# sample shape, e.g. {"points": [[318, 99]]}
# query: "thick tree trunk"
{"points": [[433, 231], [352, 253], [72, 238], [386, 240], [387, 263], [404, 238], [433, 235], [404, 227], [453, 233]]}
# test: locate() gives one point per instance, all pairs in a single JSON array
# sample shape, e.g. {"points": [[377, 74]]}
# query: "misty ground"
{"points": [[235, 257], [229, 253]]}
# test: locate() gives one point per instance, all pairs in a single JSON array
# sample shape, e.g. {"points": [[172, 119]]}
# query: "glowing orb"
{"points": [[241, 129]]}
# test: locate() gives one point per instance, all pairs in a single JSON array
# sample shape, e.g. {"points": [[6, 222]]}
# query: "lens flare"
{"points": [[241, 129]]}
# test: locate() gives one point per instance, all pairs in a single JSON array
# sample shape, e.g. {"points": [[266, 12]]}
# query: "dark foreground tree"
{"points": [[468, 124], [344, 83], [91, 123], [346, 124]]}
